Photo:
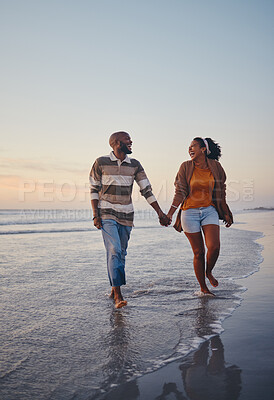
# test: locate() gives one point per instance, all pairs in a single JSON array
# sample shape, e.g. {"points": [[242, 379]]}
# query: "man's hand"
{"points": [[97, 222], [164, 220]]}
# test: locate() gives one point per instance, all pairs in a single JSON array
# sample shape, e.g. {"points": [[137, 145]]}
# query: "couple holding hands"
{"points": [[200, 193]]}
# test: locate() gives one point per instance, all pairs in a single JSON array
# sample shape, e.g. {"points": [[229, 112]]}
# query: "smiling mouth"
{"points": [[192, 154]]}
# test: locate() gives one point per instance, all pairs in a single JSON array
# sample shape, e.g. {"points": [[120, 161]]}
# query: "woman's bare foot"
{"points": [[202, 293], [211, 279], [205, 292]]}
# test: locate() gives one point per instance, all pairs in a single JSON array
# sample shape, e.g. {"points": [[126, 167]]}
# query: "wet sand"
{"points": [[239, 363]]}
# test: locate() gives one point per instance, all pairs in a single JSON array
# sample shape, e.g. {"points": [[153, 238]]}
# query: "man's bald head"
{"points": [[117, 136]]}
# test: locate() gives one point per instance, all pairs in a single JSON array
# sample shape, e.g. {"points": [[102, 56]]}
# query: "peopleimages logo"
{"points": [[50, 191], [69, 191], [240, 190]]}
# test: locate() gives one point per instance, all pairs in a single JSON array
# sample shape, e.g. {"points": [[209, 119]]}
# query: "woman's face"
{"points": [[195, 151]]}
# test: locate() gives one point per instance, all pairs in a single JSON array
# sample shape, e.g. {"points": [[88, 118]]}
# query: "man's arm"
{"points": [[95, 180], [146, 191], [96, 217], [163, 219]]}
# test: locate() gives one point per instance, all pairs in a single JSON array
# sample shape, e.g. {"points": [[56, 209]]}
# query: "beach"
{"points": [[238, 363], [63, 339], [126, 109]]}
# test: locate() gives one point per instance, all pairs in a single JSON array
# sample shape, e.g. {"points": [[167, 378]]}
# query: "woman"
{"points": [[201, 191]]}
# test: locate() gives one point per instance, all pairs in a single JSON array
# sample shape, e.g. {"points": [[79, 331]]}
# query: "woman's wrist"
{"points": [[171, 211], [169, 214]]}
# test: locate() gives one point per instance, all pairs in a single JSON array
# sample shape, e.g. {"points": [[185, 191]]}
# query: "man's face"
{"points": [[125, 144]]}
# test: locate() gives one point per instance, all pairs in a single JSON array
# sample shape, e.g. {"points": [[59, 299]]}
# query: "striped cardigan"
{"points": [[111, 182]]}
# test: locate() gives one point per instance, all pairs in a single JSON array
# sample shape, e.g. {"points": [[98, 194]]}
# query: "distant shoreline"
{"points": [[259, 209]]}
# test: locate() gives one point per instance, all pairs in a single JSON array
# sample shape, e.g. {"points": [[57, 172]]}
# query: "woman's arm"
{"points": [[181, 190], [228, 217]]}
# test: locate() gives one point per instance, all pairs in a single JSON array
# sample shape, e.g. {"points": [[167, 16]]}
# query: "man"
{"points": [[111, 183]]}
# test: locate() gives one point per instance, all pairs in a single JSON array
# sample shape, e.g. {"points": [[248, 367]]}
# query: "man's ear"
{"points": [[115, 143]]}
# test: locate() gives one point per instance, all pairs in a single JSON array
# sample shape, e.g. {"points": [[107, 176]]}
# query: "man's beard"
{"points": [[125, 149]]}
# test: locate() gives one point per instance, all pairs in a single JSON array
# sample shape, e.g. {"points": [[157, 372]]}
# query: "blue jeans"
{"points": [[116, 237]]}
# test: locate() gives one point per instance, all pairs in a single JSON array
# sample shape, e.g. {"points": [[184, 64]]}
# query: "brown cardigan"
{"points": [[182, 187]]}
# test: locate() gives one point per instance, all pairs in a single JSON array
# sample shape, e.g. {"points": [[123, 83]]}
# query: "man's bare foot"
{"points": [[118, 298], [119, 301], [120, 304], [211, 279], [111, 296]]}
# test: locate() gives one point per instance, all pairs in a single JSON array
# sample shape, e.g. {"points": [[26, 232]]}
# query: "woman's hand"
{"points": [[227, 220], [169, 216]]}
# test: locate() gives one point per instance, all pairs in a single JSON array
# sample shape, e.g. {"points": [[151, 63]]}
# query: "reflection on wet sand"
{"points": [[168, 389], [117, 340], [207, 376], [203, 375]]}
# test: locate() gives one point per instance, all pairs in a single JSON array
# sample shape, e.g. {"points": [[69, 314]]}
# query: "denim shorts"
{"points": [[193, 218]]}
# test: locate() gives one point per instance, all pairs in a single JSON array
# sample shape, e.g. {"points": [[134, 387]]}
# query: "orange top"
{"points": [[201, 188]]}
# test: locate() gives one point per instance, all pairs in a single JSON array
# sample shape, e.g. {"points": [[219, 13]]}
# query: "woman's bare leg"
{"points": [[212, 241], [198, 248]]}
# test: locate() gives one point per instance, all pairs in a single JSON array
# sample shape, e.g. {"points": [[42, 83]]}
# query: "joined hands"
{"points": [[164, 220]]}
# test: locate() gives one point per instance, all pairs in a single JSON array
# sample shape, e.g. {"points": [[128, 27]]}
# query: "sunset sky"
{"points": [[73, 72]]}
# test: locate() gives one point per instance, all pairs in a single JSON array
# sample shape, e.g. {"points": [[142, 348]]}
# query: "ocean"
{"points": [[62, 338]]}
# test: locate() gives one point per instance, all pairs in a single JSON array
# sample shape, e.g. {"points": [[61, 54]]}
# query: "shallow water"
{"points": [[61, 336]]}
